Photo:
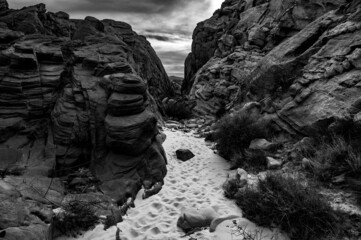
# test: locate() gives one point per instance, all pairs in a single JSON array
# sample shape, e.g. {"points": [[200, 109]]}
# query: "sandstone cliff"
{"points": [[298, 60], [74, 94]]}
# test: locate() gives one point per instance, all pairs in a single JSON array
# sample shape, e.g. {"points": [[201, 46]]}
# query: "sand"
{"points": [[196, 183]]}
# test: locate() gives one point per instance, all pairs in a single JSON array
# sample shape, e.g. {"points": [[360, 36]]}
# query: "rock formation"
{"points": [[74, 93], [299, 60]]}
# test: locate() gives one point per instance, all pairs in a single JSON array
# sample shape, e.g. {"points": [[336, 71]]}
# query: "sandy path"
{"points": [[195, 183]]}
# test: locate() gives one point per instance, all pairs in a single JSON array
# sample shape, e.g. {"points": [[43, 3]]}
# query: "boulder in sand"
{"points": [[198, 218], [184, 154]]}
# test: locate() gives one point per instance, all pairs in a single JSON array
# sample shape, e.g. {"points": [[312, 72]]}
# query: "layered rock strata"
{"points": [[74, 94]]}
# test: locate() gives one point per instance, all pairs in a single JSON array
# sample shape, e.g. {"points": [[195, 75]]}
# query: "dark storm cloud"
{"points": [[132, 6], [158, 37], [121, 6], [164, 36], [167, 24]]}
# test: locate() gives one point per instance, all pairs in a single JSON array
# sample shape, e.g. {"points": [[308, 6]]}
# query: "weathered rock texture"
{"points": [[299, 60], [74, 93]]}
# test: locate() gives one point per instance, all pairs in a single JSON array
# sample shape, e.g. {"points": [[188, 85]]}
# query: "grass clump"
{"points": [[335, 158], [235, 133], [77, 216], [285, 203]]}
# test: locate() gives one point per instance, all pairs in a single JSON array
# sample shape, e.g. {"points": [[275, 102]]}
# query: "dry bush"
{"points": [[285, 203], [235, 133], [77, 216]]}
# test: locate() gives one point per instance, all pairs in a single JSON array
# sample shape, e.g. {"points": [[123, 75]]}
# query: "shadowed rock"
{"points": [[184, 154], [298, 60], [75, 94]]}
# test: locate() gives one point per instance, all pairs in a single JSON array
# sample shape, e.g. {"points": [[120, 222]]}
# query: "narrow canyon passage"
{"points": [[196, 183]]}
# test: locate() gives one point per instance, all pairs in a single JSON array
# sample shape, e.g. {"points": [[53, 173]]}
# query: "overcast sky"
{"points": [[167, 24]]}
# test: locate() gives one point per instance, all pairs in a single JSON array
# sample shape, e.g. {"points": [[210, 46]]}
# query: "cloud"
{"points": [[172, 55], [120, 6], [167, 24], [133, 6], [158, 37]]}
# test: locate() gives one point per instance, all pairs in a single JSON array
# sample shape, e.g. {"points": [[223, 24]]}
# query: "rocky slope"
{"points": [[299, 61], [74, 94]]}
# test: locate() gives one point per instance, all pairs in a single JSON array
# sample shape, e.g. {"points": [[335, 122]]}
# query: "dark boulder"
{"points": [[184, 154]]}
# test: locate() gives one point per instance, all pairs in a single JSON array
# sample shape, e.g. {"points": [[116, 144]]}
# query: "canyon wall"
{"points": [[299, 61], [74, 94]]}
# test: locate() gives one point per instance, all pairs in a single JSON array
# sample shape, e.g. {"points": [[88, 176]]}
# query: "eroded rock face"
{"points": [[298, 60], [75, 93], [310, 79], [252, 24]]}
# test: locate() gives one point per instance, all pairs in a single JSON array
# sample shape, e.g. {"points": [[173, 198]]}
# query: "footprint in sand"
{"points": [[195, 183]]}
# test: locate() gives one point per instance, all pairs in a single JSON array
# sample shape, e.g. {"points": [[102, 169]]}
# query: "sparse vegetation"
{"points": [[242, 231], [254, 160], [295, 208], [334, 158], [235, 133], [77, 216]]}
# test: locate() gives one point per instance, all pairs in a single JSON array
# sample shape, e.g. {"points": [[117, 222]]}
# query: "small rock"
{"points": [[161, 137], [273, 164], [261, 144], [171, 125], [192, 121], [200, 121], [192, 125], [306, 163], [184, 154], [243, 175], [262, 176]]}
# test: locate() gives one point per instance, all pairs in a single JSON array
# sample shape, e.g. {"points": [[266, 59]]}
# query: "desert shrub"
{"points": [[77, 216], [235, 133], [334, 158], [345, 128], [251, 160], [238, 231], [285, 203], [353, 181]]}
